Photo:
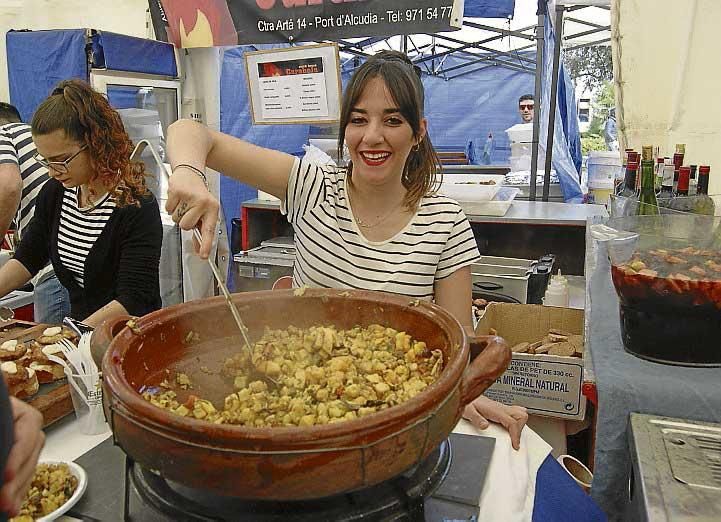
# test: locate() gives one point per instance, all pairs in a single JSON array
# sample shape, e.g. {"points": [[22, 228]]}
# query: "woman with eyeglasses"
{"points": [[377, 224], [95, 220]]}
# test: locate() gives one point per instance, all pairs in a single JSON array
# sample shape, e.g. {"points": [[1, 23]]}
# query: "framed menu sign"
{"points": [[295, 84]]}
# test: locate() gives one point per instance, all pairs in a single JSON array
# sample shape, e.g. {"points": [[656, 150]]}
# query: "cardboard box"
{"points": [[546, 385]]}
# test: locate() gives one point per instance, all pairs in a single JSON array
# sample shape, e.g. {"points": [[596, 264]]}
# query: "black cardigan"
{"points": [[122, 265]]}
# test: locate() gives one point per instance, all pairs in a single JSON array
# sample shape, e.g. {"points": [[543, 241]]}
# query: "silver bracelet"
{"points": [[194, 169]]}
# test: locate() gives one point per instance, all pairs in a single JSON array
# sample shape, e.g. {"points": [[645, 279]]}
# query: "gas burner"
{"points": [[400, 498]]}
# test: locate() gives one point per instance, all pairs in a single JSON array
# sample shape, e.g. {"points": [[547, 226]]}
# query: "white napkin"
{"points": [[510, 487]]}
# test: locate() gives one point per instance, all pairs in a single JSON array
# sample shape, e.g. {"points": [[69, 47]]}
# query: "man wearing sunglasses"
{"points": [[526, 105], [21, 178]]}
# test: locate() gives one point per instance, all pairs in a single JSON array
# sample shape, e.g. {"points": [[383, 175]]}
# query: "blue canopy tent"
{"points": [[38, 60], [489, 103]]}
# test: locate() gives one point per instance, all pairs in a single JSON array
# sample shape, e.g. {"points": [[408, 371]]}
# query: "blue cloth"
{"points": [[564, 140], [489, 105], [559, 499], [51, 301], [128, 53], [38, 60], [235, 119], [489, 8]]}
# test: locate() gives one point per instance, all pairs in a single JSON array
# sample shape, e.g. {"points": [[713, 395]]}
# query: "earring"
{"points": [[416, 147]]}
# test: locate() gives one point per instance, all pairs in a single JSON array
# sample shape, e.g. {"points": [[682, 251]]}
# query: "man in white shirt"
{"points": [[21, 178]]}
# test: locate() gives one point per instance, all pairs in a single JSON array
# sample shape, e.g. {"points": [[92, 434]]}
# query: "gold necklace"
{"points": [[364, 224]]}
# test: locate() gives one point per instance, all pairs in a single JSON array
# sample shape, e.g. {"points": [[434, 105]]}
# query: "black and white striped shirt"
{"points": [[79, 229], [17, 147], [332, 253]]}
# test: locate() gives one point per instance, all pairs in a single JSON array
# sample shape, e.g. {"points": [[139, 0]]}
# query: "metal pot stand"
{"points": [[446, 485]]}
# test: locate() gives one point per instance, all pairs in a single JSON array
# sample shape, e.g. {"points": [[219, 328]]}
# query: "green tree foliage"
{"points": [[602, 102], [593, 65]]}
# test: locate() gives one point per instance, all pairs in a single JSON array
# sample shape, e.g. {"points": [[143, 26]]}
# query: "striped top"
{"points": [[17, 147], [79, 229], [331, 252]]}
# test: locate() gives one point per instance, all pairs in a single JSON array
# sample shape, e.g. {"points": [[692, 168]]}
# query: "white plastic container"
{"points": [[468, 187], [520, 163], [498, 206], [521, 149], [603, 168], [520, 133]]}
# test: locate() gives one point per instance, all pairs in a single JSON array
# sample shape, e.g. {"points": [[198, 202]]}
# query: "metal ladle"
{"points": [[233, 309]]}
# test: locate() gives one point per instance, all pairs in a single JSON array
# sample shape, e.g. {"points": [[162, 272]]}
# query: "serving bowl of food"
{"points": [[55, 488], [357, 387], [667, 272]]}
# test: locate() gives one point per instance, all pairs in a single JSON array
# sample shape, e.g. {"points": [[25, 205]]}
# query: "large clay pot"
{"points": [[282, 463]]}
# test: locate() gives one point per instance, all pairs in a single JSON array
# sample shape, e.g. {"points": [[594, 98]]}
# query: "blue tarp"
{"points": [[119, 52], [567, 139], [38, 60], [467, 108], [489, 8], [489, 104]]}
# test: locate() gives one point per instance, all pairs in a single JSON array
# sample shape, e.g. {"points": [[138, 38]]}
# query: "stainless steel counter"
{"points": [[530, 212], [544, 213]]}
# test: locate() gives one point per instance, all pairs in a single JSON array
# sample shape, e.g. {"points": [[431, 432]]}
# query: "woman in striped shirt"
{"points": [[94, 220], [376, 224]]}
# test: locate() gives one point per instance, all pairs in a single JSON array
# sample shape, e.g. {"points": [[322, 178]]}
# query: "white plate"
{"points": [[82, 485]]}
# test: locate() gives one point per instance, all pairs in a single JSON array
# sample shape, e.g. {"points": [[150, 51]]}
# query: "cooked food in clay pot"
{"points": [[186, 349]]}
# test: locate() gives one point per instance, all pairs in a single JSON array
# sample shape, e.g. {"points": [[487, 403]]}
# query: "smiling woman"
{"points": [[95, 220], [376, 224]]}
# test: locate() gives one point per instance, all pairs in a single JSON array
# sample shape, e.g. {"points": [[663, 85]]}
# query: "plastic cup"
{"points": [[580, 473], [86, 393]]}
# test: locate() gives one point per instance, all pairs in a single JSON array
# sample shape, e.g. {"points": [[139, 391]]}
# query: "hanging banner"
{"points": [[205, 23]]}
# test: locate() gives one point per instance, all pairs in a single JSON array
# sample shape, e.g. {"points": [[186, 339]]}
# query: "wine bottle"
{"points": [[618, 182], [647, 204], [630, 203], [658, 173], [692, 182], [681, 201], [703, 204], [629, 186], [664, 197], [677, 162]]}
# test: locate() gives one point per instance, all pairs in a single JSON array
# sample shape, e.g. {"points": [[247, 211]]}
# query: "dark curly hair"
{"points": [[422, 173], [86, 116]]}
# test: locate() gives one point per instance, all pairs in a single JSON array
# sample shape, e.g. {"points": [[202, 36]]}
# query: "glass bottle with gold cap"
{"points": [[647, 203]]}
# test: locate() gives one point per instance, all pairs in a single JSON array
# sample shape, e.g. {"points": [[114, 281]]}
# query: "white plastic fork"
{"points": [[68, 371], [73, 355], [87, 357]]}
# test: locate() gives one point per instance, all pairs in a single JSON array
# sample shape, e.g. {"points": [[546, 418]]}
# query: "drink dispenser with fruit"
{"points": [[667, 272]]}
